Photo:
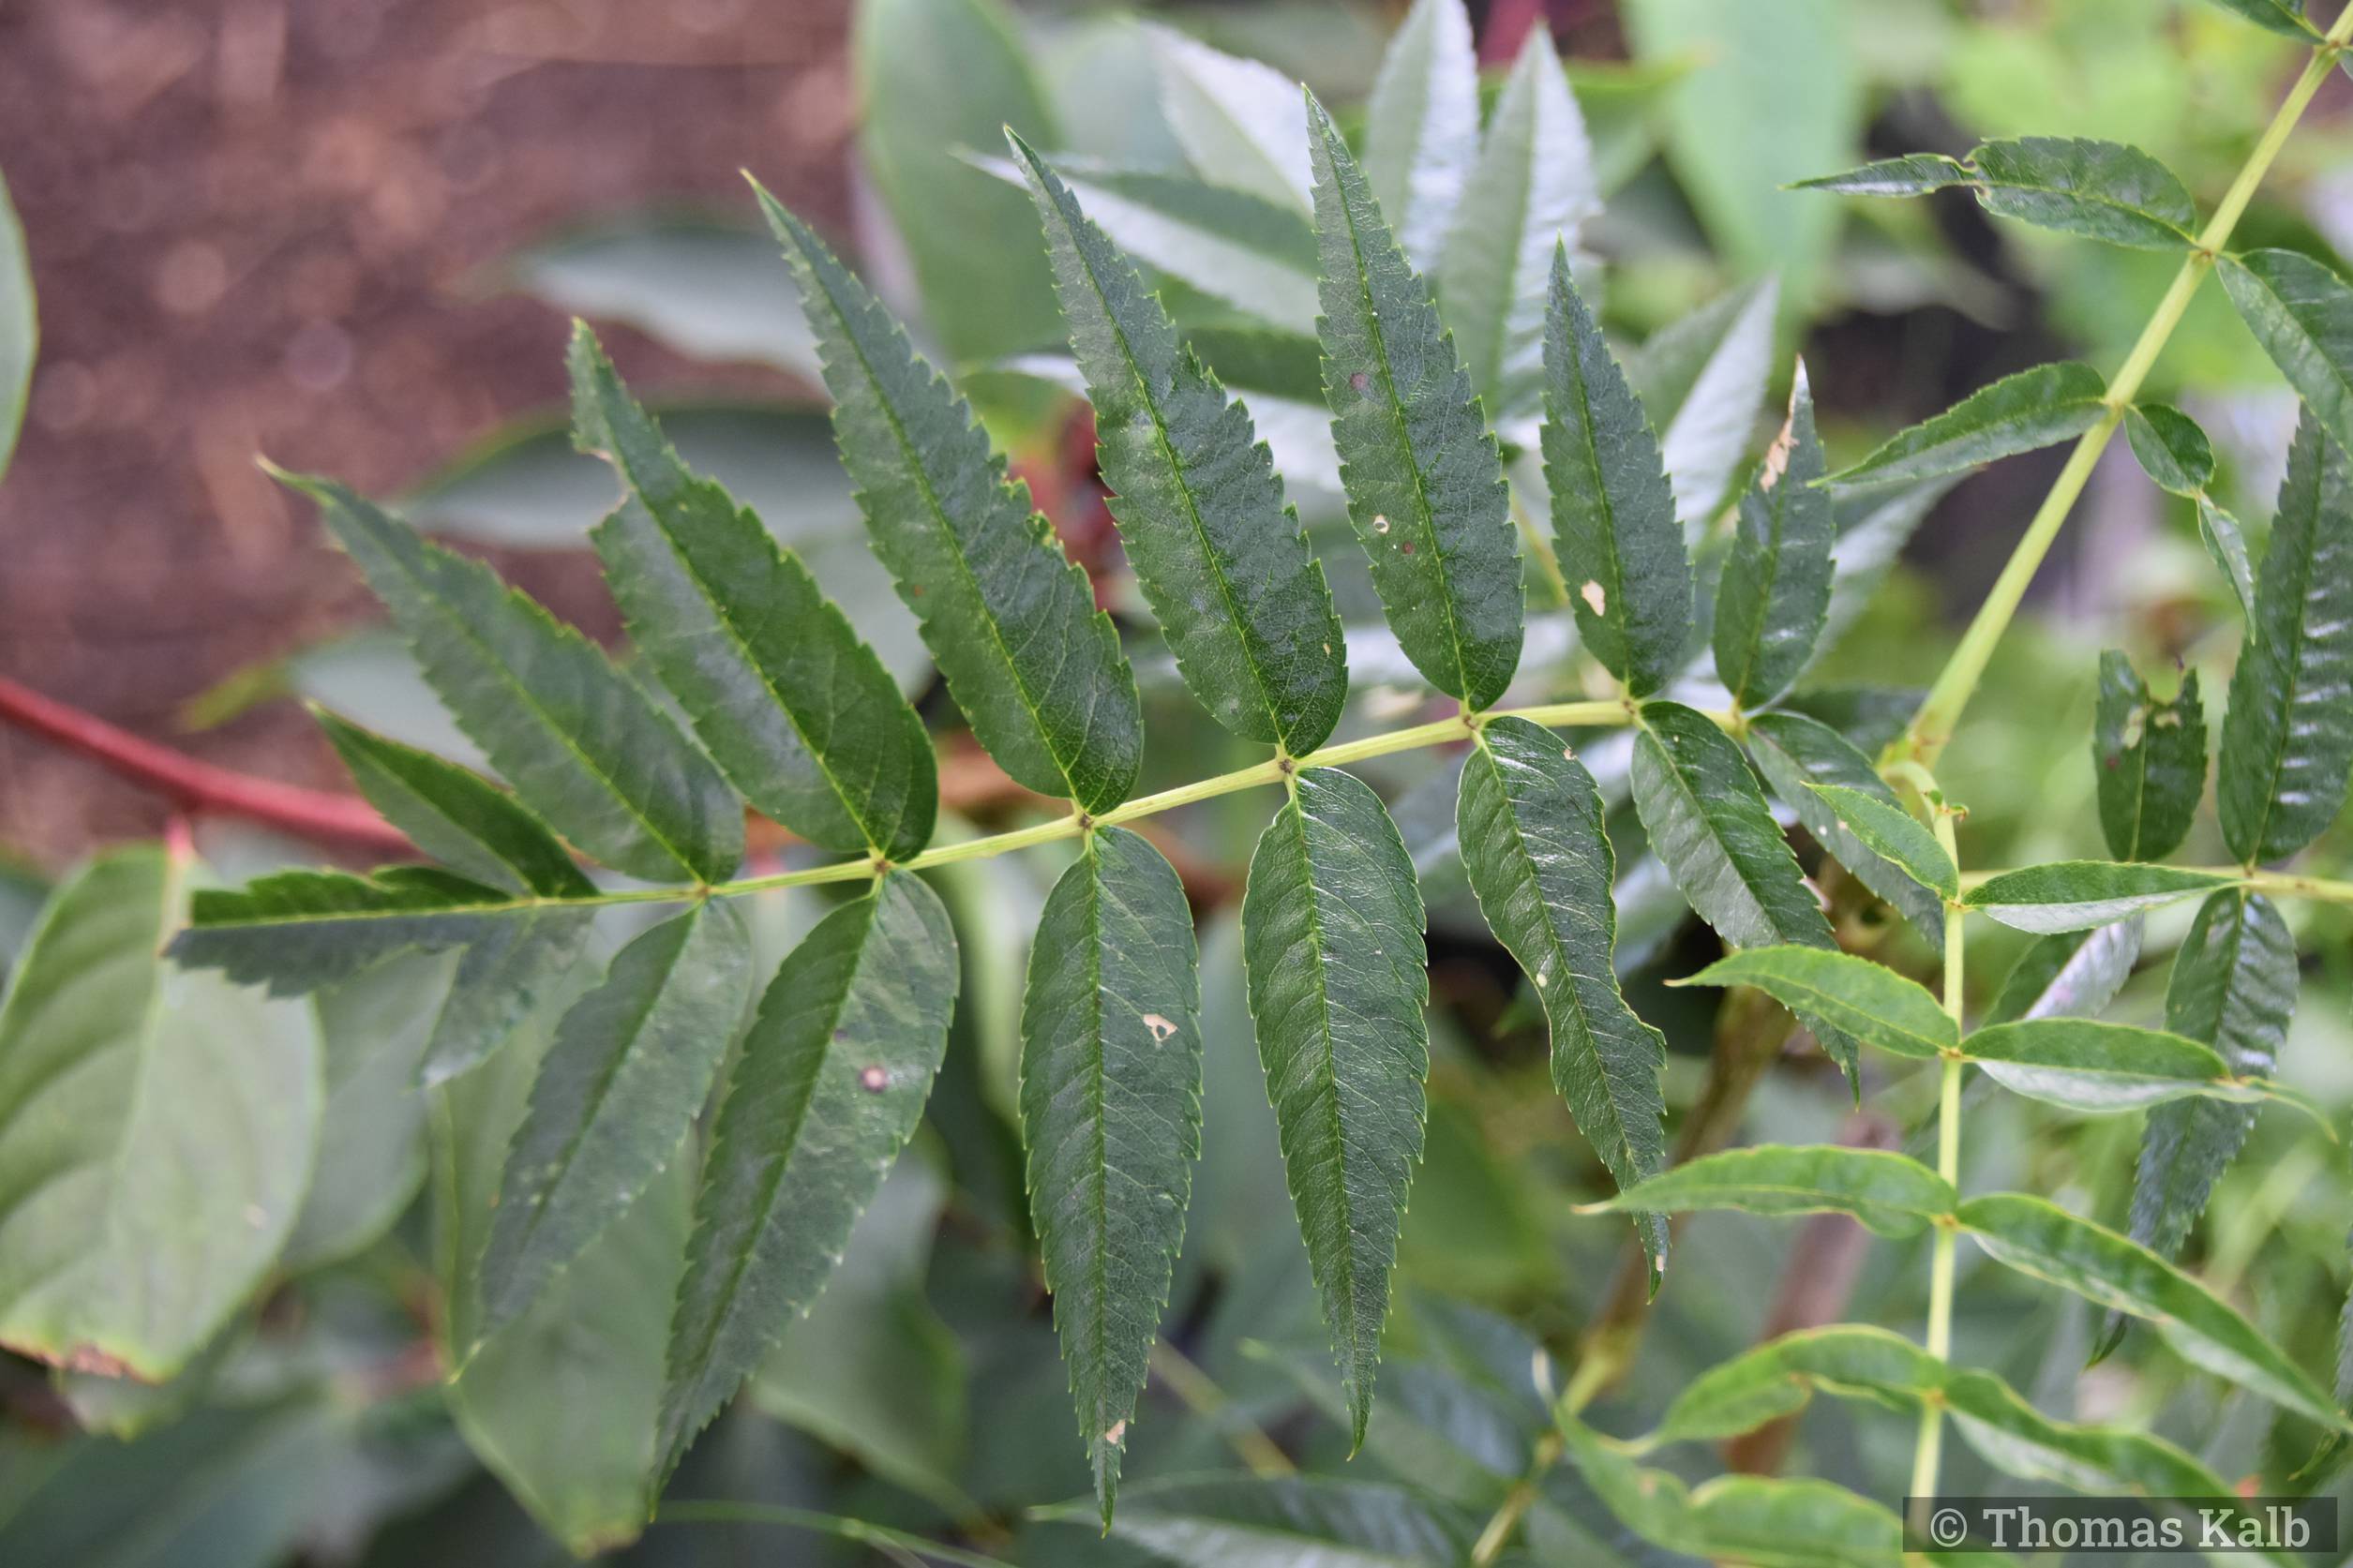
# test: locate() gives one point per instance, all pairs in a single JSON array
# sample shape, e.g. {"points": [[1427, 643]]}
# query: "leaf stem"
{"points": [[1924, 739], [1199, 1393], [1517, 1501], [1928, 1454]]}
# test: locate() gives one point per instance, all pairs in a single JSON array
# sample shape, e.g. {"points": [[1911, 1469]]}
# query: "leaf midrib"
{"points": [[1346, 1260]]}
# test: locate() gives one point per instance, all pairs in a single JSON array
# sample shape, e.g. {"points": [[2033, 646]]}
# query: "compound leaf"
{"points": [[1775, 594], [1424, 479], [2150, 761], [1332, 943], [2102, 190], [2033, 408]]}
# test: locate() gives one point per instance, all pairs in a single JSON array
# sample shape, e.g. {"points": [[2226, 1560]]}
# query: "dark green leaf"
{"points": [[1889, 1193], [297, 931], [1220, 556], [2102, 190], [828, 1086], [614, 1100], [580, 741], [455, 816], [794, 708], [1613, 516], [20, 328], [2227, 542], [2279, 16], [2093, 1067], [156, 1130], [2037, 408], [1912, 174], [1534, 188], [1286, 1521], [1775, 594], [509, 965], [1421, 128], [1111, 1116], [1896, 835], [2287, 740], [1036, 667], [2046, 1242], [2301, 312], [2170, 448], [2076, 895], [2068, 974], [1333, 934], [1866, 1000], [1530, 824], [1425, 481], [2149, 758], [1795, 754]]}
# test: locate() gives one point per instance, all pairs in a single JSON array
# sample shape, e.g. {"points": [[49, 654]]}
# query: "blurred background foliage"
{"points": [[925, 1392]]}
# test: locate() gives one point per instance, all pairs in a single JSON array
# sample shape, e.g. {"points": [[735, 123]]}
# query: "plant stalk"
{"points": [[1928, 1454], [1924, 739]]}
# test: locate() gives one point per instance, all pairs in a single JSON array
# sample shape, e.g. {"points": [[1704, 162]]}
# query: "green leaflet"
{"points": [[1530, 824], [798, 712], [2279, 16], [2301, 312], [1035, 667], [1866, 1000], [1896, 835], [1704, 376], [2150, 758], [1755, 1520], [1889, 1193], [1219, 554], [582, 742], [1421, 128], [2040, 1239], [296, 931], [1284, 1521], [118, 1252], [506, 968], [20, 326], [2073, 974], [2225, 540], [1781, 1375], [1425, 481], [614, 1100], [2233, 987], [1239, 121], [2170, 448], [1774, 592], [455, 816], [2093, 1067], [1332, 943], [829, 1084], [1534, 188], [2287, 739], [2076, 895], [1796, 753], [372, 1035], [2033, 408], [1111, 1117], [1613, 516], [2102, 190]]}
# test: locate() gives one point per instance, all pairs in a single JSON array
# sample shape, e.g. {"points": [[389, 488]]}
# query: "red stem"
{"points": [[201, 787]]}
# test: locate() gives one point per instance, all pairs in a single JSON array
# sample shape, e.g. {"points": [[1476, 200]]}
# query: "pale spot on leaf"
{"points": [[874, 1080], [1596, 598], [1380, 523], [1161, 1028], [1118, 1429]]}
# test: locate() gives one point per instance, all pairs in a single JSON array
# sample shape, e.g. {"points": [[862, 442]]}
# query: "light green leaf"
{"points": [[706, 289], [2040, 1239], [1531, 194], [937, 76], [1889, 1193], [1111, 1117], [19, 327], [1332, 941], [614, 1100], [2287, 739], [1424, 481], [127, 1237], [2225, 540], [1774, 592], [1421, 128], [2150, 758], [1796, 753], [580, 741], [1530, 823], [2037, 408], [2170, 448], [2076, 895], [1239, 121], [1869, 1001], [2072, 974], [455, 816], [1911, 174], [1288, 1521], [2301, 312], [1613, 516], [830, 1086], [2102, 190], [1704, 376], [1896, 835], [1219, 554], [798, 711], [2093, 1067], [1036, 667]]}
